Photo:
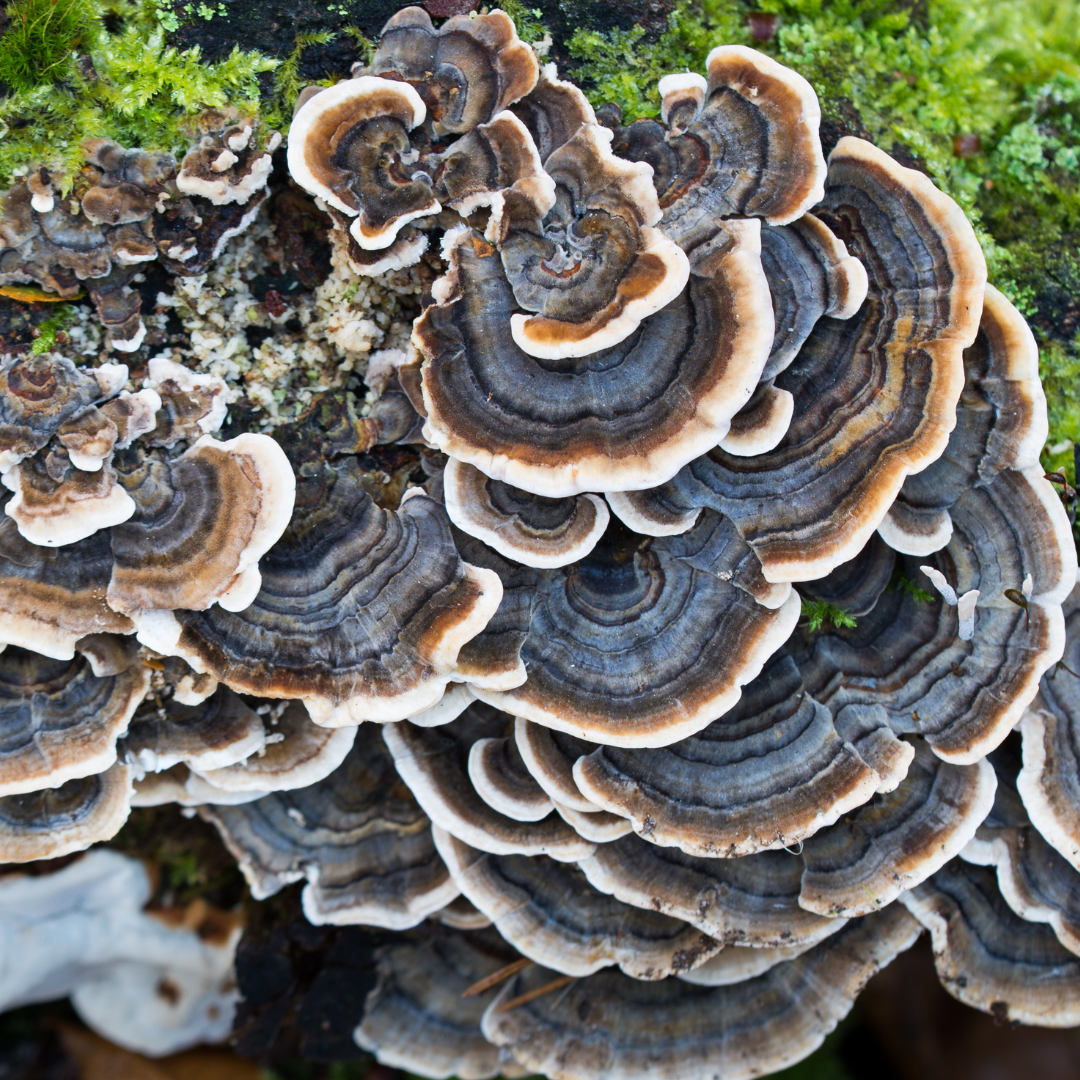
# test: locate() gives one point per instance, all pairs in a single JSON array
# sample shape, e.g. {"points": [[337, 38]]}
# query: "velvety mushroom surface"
{"points": [[360, 614], [359, 836], [893, 371]]}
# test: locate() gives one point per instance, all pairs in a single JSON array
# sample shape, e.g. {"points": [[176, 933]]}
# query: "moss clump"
{"points": [[129, 85], [40, 40], [819, 613]]}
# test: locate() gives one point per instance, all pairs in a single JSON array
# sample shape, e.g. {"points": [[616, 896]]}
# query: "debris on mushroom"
{"points": [[150, 984], [358, 836]]}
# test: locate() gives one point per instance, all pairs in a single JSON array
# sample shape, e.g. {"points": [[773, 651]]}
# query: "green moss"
{"points": [[132, 87], [63, 317], [819, 613], [37, 47]]}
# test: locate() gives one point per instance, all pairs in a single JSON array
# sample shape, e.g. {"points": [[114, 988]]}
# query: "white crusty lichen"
{"points": [[321, 340]]}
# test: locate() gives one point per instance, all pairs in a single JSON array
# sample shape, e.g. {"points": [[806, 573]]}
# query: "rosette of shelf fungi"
{"points": [[633, 644], [201, 524], [898, 839], [1037, 882], [623, 411], [611, 1024], [60, 719], [418, 1016], [375, 148], [358, 836], [52, 822], [989, 957], [216, 733], [45, 396], [892, 373], [190, 403], [548, 912], [297, 753], [361, 612], [438, 764], [1000, 424], [768, 773], [1049, 781], [907, 653], [744, 142]]}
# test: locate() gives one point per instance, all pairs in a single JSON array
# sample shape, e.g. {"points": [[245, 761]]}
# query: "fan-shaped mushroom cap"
{"points": [[596, 825], [990, 958], [297, 754], [857, 585], [553, 111], [226, 166], [57, 821], [810, 274], [466, 71], [191, 403], [549, 913], [753, 901], [1036, 881], [55, 505], [58, 720], [129, 185], [434, 762], [630, 645], [146, 984], [361, 614], [88, 439], [203, 522], [358, 836], [605, 421], [873, 854], [1001, 424], [1049, 782], [417, 1018], [768, 773], [37, 395], [342, 143], [180, 785], [462, 914], [527, 528], [759, 426], [591, 266], [893, 373], [549, 755], [52, 597], [609, 1025], [216, 733], [734, 965], [502, 780], [906, 655]]}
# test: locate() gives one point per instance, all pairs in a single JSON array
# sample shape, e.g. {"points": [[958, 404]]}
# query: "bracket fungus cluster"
{"points": [[543, 700]]}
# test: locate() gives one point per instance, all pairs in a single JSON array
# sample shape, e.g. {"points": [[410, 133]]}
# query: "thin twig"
{"points": [[532, 995], [496, 977]]}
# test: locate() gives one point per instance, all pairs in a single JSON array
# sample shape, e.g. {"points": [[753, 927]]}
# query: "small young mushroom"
{"points": [[216, 733]]}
